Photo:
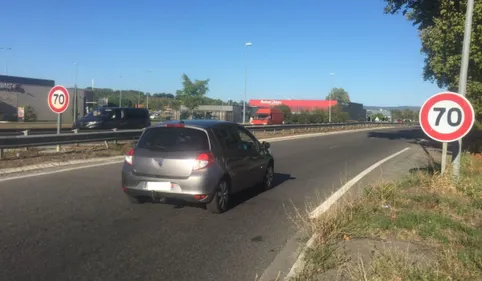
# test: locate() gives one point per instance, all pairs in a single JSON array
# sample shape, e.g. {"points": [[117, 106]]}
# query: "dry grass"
{"points": [[441, 223], [33, 156]]}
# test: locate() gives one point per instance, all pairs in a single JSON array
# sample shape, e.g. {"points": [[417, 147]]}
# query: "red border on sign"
{"points": [[67, 99], [468, 111]]}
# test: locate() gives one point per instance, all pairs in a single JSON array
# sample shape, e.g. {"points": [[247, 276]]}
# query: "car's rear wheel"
{"points": [[221, 200], [268, 177]]}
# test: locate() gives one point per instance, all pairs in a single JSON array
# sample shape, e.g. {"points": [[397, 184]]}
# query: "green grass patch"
{"points": [[425, 210]]}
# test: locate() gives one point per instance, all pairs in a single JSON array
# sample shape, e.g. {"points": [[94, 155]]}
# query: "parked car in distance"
{"points": [[196, 161], [121, 118]]}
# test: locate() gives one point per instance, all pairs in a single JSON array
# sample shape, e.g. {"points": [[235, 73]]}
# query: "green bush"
{"points": [[29, 114]]}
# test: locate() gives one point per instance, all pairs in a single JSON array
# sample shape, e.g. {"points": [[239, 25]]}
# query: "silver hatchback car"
{"points": [[196, 161]]}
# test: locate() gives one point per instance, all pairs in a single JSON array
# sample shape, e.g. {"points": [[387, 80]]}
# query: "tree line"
{"points": [[315, 116], [396, 114], [192, 94], [440, 25]]}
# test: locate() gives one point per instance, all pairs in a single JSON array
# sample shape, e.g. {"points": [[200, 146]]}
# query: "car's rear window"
{"points": [[174, 139]]}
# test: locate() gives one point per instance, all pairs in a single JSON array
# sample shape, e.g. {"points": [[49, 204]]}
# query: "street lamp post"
{"points": [[147, 96], [139, 99], [6, 49], [246, 45], [75, 92], [120, 96], [329, 97]]}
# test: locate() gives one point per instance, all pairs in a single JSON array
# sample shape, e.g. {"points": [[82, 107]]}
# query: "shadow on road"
{"points": [[472, 142], [415, 135], [247, 194], [238, 198], [408, 134]]}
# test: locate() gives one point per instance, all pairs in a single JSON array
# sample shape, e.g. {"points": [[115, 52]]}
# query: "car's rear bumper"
{"points": [[169, 197], [198, 188]]}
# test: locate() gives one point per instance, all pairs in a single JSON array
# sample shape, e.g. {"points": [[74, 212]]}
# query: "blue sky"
{"points": [[296, 45]]}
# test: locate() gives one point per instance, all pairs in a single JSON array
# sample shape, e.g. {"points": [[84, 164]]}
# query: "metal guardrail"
{"points": [[25, 141]]}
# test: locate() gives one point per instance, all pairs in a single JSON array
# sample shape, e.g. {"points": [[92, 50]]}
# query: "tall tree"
{"points": [[339, 94], [286, 112], [192, 93], [441, 28]]}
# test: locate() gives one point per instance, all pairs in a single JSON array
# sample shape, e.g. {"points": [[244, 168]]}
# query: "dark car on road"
{"points": [[196, 161], [122, 118]]}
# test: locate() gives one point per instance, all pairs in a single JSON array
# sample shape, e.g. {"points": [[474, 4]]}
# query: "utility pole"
{"points": [[464, 67]]}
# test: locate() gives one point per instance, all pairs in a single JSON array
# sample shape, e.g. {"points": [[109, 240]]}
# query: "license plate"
{"points": [[158, 186]]}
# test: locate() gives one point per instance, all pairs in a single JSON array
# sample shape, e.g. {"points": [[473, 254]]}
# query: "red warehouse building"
{"points": [[295, 105]]}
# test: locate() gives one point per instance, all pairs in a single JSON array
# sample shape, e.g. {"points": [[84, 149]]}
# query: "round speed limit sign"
{"points": [[58, 99], [446, 117]]}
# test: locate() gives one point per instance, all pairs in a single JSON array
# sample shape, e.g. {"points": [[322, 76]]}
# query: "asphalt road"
{"points": [[78, 225]]}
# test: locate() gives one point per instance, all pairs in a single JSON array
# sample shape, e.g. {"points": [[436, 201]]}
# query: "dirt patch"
{"points": [[424, 227], [366, 257]]}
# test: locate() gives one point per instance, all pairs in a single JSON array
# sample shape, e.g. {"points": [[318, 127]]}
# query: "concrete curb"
{"points": [[48, 165]]}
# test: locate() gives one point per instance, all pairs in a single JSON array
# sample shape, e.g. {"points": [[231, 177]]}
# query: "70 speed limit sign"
{"points": [[58, 99], [447, 117]]}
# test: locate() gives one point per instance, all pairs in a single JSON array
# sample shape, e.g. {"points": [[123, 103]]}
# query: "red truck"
{"points": [[267, 116]]}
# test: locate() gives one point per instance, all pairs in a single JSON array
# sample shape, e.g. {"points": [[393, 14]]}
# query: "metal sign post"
{"points": [[58, 101], [446, 117]]}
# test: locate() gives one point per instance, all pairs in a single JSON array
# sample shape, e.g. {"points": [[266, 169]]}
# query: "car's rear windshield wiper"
{"points": [[155, 147]]}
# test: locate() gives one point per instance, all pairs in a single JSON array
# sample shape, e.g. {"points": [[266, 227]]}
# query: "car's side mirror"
{"points": [[266, 145]]}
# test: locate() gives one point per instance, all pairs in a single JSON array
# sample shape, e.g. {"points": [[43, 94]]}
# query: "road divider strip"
{"points": [[119, 159], [10, 142]]}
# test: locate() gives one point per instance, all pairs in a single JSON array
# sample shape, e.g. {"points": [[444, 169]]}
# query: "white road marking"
{"points": [[339, 193], [325, 206]]}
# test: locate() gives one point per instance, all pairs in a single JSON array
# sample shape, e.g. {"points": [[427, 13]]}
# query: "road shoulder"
{"points": [[288, 259]]}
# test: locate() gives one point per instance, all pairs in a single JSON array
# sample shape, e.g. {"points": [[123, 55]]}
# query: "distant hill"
{"points": [[415, 108]]}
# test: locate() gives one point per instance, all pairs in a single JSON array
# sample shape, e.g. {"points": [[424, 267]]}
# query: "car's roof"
{"points": [[205, 124], [115, 107], [124, 107]]}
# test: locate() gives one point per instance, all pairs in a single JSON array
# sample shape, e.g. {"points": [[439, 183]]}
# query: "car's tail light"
{"points": [[200, 197], [175, 125], [129, 156], [203, 161]]}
